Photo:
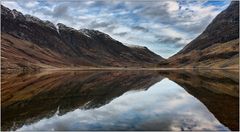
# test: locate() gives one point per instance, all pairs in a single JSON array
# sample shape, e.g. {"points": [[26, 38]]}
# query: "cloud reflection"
{"points": [[164, 106]]}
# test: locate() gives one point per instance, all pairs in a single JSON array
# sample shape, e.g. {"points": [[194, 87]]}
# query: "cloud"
{"points": [[157, 25], [169, 40], [13, 5], [122, 34], [107, 25], [143, 29], [60, 10], [32, 4]]}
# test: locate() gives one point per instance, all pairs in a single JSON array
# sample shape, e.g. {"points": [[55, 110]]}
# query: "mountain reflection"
{"points": [[32, 98], [218, 90]]}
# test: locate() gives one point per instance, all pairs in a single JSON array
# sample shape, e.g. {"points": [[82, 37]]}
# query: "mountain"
{"points": [[217, 46], [31, 43]]}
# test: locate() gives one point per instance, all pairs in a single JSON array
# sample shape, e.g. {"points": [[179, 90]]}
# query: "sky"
{"points": [[163, 26]]}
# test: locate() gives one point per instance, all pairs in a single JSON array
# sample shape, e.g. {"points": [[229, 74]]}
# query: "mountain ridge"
{"points": [[83, 47]]}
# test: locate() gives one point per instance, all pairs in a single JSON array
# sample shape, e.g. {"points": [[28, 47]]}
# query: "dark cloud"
{"points": [[157, 12], [98, 3], [43, 10], [122, 34], [107, 26], [139, 28], [169, 40], [110, 28], [60, 10], [95, 24], [153, 11]]}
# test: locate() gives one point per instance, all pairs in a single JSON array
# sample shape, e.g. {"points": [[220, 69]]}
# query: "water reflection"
{"points": [[218, 90], [126, 100]]}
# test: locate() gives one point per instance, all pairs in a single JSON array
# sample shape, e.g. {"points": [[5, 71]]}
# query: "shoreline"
{"points": [[130, 69], [12, 71]]}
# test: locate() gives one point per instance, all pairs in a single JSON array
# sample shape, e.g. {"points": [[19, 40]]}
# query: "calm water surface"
{"points": [[121, 100]]}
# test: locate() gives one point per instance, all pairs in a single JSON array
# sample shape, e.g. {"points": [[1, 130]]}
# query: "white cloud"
{"points": [[172, 6], [32, 4], [13, 5]]}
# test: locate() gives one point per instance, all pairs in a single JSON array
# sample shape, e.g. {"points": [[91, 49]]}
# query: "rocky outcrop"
{"points": [[82, 47]]}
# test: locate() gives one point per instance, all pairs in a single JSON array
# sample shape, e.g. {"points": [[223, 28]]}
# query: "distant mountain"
{"points": [[217, 46], [30, 43]]}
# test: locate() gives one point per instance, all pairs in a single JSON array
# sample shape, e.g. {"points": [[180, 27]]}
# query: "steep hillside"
{"points": [[18, 54], [32, 43], [220, 55], [217, 46]]}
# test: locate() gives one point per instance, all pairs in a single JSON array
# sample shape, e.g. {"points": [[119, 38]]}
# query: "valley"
{"points": [[30, 44]]}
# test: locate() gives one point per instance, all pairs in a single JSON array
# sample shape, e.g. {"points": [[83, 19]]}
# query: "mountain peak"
{"points": [[60, 25], [17, 15], [94, 33], [36, 20], [14, 14]]}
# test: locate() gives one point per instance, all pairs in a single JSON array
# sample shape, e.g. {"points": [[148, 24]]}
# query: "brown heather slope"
{"points": [[216, 47], [17, 54], [220, 55], [30, 43]]}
